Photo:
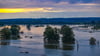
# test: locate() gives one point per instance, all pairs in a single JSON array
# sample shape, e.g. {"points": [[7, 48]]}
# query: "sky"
{"points": [[49, 8]]}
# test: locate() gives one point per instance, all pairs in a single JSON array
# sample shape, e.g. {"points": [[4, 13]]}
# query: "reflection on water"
{"points": [[57, 50], [58, 46], [51, 45], [4, 42], [68, 47]]}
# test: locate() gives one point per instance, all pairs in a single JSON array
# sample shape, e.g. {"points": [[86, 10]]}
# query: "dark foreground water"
{"points": [[35, 45]]}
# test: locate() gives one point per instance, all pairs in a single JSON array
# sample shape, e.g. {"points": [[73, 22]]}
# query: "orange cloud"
{"points": [[19, 10]]}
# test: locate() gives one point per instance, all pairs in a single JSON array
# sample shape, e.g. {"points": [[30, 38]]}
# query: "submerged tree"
{"points": [[28, 27], [15, 31], [51, 35], [5, 33], [10, 33], [68, 35], [92, 41]]}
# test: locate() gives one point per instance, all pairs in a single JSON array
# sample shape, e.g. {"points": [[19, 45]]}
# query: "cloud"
{"points": [[49, 6], [40, 3], [20, 10], [88, 4]]}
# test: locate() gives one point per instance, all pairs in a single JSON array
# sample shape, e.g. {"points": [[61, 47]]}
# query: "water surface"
{"points": [[35, 45]]}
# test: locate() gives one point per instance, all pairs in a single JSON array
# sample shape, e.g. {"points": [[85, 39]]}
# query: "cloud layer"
{"points": [[49, 8], [41, 3]]}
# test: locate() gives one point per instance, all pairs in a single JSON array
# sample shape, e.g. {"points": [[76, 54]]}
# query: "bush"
{"points": [[5, 33], [92, 41]]}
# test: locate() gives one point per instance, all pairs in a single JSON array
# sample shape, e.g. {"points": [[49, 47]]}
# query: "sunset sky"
{"points": [[49, 8]]}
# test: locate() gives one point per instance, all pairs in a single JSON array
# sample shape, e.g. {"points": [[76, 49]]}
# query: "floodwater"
{"points": [[31, 44]]}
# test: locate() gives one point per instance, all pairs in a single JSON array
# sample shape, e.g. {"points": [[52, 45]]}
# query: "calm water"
{"points": [[35, 45]]}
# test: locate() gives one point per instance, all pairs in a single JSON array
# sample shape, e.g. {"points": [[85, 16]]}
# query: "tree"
{"points": [[92, 41], [15, 31], [10, 33], [5, 33], [68, 35], [51, 35]]}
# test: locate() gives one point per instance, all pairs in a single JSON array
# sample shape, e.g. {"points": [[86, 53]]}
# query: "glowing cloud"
{"points": [[11, 10], [19, 10]]}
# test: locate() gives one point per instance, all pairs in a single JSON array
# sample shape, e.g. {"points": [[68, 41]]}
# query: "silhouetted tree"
{"points": [[10, 33], [92, 41], [15, 31], [51, 35], [68, 35], [28, 27], [5, 33]]}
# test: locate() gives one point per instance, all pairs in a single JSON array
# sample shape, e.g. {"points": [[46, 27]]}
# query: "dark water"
{"points": [[31, 44]]}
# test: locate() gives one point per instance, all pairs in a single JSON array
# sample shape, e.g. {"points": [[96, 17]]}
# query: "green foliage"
{"points": [[5, 33], [51, 34], [92, 41], [15, 31], [10, 33], [68, 35]]}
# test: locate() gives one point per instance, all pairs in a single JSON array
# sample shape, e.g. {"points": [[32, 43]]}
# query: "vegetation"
{"points": [[68, 35], [81, 20], [28, 27], [51, 35], [92, 41], [5, 33], [15, 31], [10, 33]]}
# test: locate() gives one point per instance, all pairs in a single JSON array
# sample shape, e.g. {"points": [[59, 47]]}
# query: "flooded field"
{"points": [[31, 44]]}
